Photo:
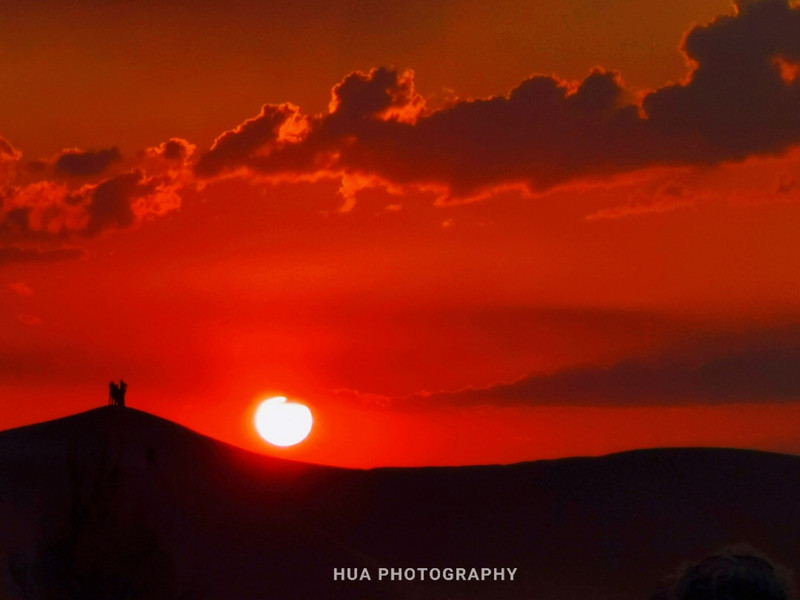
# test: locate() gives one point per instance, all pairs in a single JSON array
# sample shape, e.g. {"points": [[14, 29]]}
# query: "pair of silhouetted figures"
{"points": [[116, 393]]}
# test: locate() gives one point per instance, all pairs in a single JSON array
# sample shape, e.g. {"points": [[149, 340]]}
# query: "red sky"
{"points": [[465, 232]]}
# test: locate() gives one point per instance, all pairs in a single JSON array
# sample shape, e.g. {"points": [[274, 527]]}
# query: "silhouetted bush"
{"points": [[735, 573]]}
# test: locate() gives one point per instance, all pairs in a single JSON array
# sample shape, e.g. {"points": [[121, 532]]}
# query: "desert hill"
{"points": [[116, 503]]}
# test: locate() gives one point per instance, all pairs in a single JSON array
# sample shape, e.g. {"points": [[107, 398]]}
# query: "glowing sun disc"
{"points": [[283, 423]]}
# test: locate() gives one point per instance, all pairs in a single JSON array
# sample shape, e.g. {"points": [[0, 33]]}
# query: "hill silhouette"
{"points": [[117, 503]]}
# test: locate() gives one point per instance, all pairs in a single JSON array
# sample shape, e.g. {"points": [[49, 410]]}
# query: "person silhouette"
{"points": [[123, 387], [113, 394]]}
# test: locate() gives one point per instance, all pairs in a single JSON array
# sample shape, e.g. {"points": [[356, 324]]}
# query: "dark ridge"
{"points": [[221, 522]]}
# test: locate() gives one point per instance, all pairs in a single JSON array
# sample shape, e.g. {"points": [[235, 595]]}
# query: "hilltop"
{"points": [[117, 503]]}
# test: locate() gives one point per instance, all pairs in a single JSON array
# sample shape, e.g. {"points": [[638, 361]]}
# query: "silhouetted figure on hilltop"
{"points": [[733, 574], [116, 393]]}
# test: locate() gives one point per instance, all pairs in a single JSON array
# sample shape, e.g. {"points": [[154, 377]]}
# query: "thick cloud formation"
{"points": [[764, 367], [740, 99], [252, 139], [77, 163], [49, 210], [37, 217], [110, 204], [176, 149]]}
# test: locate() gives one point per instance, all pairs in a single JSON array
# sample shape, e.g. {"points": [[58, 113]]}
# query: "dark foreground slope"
{"points": [[115, 503]]}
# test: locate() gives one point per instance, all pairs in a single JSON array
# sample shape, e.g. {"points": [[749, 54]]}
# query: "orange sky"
{"points": [[501, 255]]}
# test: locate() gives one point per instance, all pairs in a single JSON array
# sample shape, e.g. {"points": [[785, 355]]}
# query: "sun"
{"points": [[283, 423]]}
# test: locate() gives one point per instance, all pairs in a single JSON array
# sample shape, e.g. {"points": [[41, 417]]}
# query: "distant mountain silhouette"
{"points": [[122, 504]]}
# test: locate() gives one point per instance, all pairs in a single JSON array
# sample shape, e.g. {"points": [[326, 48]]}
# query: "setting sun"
{"points": [[283, 423]]}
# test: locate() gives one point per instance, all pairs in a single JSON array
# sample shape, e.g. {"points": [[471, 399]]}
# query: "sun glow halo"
{"points": [[283, 423]]}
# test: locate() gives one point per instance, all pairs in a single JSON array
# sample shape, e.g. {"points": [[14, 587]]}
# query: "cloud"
{"points": [[78, 163], [126, 199], [174, 149], [740, 99], [47, 212], [110, 203], [39, 213], [255, 138], [16, 254], [758, 367], [737, 101]]}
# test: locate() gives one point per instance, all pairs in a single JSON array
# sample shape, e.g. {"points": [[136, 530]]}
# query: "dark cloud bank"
{"points": [[739, 100], [85, 164], [756, 367], [78, 195]]}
